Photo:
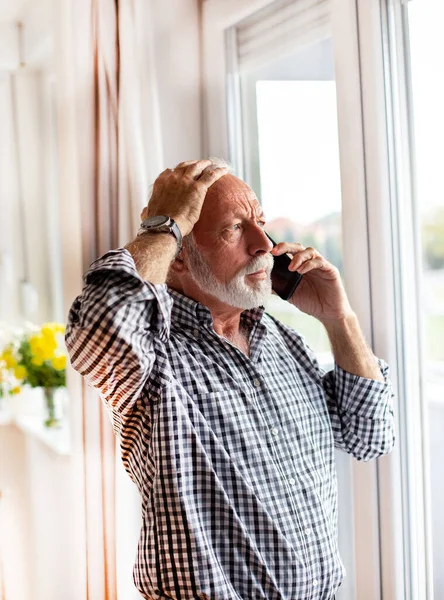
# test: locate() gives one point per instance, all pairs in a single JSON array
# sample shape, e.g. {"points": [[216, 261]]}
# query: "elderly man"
{"points": [[227, 423]]}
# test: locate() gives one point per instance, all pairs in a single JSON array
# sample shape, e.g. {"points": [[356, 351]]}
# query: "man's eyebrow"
{"points": [[259, 215], [240, 216]]}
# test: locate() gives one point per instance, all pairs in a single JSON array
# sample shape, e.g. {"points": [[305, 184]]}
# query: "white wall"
{"points": [[9, 46], [50, 514], [176, 39], [15, 516], [10, 253]]}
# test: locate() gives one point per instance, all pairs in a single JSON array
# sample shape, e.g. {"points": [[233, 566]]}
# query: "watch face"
{"points": [[155, 221]]}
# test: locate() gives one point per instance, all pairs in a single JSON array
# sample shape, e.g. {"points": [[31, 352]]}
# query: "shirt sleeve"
{"points": [[360, 409], [113, 329], [361, 412]]}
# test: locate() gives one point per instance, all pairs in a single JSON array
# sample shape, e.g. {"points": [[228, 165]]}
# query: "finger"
{"points": [[302, 257], [285, 247], [185, 163], [196, 169], [210, 177], [311, 265], [164, 174]]}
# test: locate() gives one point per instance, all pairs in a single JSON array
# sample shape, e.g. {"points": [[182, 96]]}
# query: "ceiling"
{"points": [[11, 10]]}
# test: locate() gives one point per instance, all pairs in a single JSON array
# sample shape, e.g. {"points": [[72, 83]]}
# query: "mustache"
{"points": [[258, 263]]}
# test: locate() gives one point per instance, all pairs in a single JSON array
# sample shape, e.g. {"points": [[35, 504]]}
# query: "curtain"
{"points": [[118, 154], [140, 160]]}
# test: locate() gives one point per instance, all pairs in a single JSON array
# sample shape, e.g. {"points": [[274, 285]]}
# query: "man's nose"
{"points": [[259, 243]]}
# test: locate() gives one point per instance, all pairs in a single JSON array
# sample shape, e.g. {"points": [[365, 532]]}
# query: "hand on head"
{"points": [[180, 192]]}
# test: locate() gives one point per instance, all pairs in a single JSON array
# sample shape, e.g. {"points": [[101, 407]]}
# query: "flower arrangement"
{"points": [[34, 357]]}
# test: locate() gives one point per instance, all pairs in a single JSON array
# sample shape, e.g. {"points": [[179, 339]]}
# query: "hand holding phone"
{"points": [[283, 281]]}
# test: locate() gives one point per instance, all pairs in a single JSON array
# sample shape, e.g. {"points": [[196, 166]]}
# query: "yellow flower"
{"points": [[20, 372], [37, 361], [8, 358], [48, 332], [35, 342], [42, 347], [16, 390], [59, 362], [48, 350], [51, 329]]}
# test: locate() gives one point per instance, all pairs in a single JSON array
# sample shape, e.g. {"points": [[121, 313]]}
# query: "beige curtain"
{"points": [[118, 152]]}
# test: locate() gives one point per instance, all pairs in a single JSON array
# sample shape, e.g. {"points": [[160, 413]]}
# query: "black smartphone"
{"points": [[283, 281]]}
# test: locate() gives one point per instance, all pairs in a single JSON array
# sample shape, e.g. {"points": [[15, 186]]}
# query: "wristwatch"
{"points": [[162, 224]]}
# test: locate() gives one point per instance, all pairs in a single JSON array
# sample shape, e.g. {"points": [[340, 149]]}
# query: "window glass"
{"points": [[426, 19], [300, 179]]}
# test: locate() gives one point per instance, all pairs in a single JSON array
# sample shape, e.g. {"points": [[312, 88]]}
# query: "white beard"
{"points": [[235, 292]]}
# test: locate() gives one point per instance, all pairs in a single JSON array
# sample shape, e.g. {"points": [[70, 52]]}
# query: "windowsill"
{"points": [[58, 439], [27, 412]]}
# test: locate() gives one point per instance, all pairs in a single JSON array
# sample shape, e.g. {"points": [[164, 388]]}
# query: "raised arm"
{"points": [[178, 193], [118, 325]]}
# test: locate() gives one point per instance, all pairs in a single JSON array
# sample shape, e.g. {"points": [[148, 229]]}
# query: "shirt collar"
{"points": [[186, 312]]}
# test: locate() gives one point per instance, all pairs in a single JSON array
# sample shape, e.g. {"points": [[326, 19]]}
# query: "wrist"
{"points": [[184, 225], [162, 224]]}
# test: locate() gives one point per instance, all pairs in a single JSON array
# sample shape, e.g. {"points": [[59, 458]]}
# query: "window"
{"points": [[287, 147], [415, 93], [425, 20]]}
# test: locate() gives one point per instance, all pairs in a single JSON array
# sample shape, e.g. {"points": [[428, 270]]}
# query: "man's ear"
{"points": [[179, 265]]}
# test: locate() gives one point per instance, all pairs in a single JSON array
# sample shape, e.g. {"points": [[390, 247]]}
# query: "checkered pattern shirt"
{"points": [[233, 456]]}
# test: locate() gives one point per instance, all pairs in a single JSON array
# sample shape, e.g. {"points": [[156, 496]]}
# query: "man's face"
{"points": [[231, 258]]}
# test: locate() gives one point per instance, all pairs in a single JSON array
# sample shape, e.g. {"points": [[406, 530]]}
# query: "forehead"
{"points": [[229, 196]]}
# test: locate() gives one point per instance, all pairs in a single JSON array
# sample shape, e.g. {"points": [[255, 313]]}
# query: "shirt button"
{"points": [[292, 481], [256, 383], [275, 431], [307, 531], [196, 332], [315, 582]]}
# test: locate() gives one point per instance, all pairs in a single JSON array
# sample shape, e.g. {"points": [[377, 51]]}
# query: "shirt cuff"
{"points": [[369, 398]]}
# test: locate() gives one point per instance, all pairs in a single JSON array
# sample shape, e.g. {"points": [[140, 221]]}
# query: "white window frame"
{"points": [[368, 268], [415, 486]]}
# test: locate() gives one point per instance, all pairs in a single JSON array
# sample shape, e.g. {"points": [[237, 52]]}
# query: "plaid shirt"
{"points": [[233, 456]]}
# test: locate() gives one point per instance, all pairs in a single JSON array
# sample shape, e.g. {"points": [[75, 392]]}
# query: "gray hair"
{"points": [[221, 162]]}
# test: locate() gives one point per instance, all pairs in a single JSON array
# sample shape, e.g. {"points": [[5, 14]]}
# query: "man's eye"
{"points": [[236, 226], [261, 223]]}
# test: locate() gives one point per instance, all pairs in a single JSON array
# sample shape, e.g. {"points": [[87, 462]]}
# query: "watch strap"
{"points": [[170, 226]]}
